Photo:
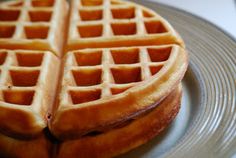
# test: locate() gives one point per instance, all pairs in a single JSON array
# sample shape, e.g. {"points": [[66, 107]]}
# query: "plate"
{"points": [[206, 124]]}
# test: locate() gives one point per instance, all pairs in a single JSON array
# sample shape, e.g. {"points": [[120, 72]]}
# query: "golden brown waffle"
{"points": [[33, 24], [125, 81], [39, 147], [121, 140], [110, 144], [114, 23], [115, 85], [27, 89]]}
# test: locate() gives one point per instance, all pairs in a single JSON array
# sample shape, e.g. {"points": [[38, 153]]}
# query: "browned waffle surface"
{"points": [[33, 24], [115, 85], [109, 68], [27, 89], [113, 23], [121, 140], [39, 147]]}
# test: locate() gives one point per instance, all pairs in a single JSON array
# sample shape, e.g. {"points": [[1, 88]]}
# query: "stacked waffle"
{"points": [[112, 85]]}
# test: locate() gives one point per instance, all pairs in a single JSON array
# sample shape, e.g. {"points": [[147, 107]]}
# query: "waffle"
{"points": [[39, 147], [95, 81], [33, 24], [114, 23], [26, 90], [123, 139], [110, 143], [115, 85]]}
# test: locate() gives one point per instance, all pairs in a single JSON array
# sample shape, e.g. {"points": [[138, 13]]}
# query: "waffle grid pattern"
{"points": [[30, 21], [112, 19], [90, 76], [110, 72], [24, 77], [102, 20], [19, 75]]}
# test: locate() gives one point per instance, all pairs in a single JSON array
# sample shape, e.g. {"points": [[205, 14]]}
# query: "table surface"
{"points": [[219, 12]]}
